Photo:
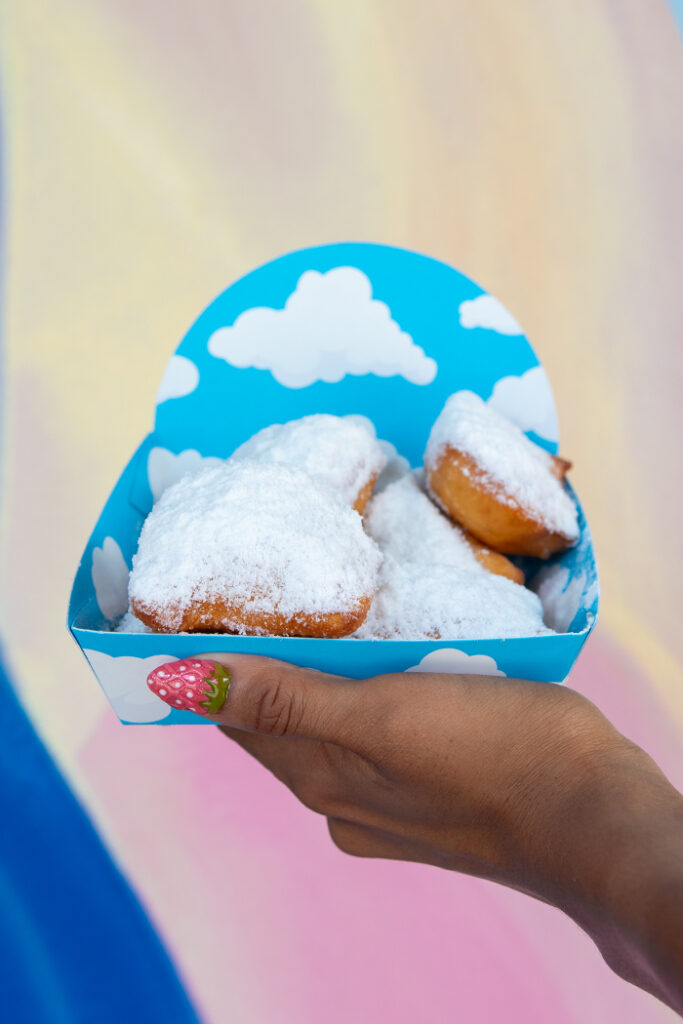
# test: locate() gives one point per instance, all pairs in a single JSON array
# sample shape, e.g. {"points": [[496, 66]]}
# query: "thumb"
{"points": [[265, 696]]}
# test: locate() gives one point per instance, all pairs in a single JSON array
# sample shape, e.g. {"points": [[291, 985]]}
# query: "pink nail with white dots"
{"points": [[191, 685]]}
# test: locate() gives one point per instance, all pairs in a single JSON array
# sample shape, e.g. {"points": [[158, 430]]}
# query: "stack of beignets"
{"points": [[272, 541]]}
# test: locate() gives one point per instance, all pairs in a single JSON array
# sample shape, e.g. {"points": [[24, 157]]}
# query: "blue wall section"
{"points": [[75, 946]]}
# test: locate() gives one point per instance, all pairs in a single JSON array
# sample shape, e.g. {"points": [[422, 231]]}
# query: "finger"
{"points": [[289, 758], [367, 841], [275, 698], [265, 696], [325, 778], [269, 750]]}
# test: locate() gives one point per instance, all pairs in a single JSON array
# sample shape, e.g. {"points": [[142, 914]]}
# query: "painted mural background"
{"points": [[155, 152]]}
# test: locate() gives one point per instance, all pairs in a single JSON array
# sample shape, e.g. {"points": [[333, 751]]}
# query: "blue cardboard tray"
{"points": [[345, 328]]}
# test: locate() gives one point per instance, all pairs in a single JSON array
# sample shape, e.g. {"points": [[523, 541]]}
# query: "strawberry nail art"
{"points": [[191, 685]]}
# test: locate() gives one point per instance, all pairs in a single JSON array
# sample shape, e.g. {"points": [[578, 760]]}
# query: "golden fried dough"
{"points": [[493, 560], [365, 494], [221, 617], [488, 512]]}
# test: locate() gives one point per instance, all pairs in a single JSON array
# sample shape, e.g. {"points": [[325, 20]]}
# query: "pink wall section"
{"points": [[155, 152]]}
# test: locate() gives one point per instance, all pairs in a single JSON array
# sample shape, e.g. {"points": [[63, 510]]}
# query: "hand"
{"points": [[442, 769], [523, 783]]}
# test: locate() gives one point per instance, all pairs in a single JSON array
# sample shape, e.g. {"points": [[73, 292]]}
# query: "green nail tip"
{"points": [[218, 685]]}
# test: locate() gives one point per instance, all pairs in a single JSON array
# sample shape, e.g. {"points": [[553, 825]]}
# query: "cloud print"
{"points": [[124, 680], [110, 579], [528, 401], [180, 378], [560, 594], [330, 326], [450, 659], [486, 311], [164, 468]]}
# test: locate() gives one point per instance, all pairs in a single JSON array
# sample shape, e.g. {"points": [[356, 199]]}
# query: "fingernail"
{"points": [[191, 685]]}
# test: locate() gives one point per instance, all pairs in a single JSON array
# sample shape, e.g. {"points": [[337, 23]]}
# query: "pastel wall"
{"points": [[156, 151]]}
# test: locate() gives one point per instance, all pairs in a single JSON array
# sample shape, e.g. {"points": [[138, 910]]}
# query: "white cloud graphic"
{"points": [[560, 595], [124, 680], [330, 327], [456, 662], [563, 595], [486, 311], [528, 401], [180, 378], [591, 593], [164, 468], [110, 579]]}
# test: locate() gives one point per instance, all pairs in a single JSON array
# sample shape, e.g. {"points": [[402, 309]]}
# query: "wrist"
{"points": [[614, 863]]}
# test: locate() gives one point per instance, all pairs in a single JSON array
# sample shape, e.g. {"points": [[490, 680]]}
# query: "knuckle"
{"points": [[579, 725], [276, 710], [321, 792], [312, 795], [347, 837]]}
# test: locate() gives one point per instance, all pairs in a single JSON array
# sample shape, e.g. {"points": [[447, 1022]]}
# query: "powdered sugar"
{"points": [[430, 584], [396, 466], [129, 623], [508, 463], [257, 532], [418, 600], [272, 528], [340, 451], [407, 525]]}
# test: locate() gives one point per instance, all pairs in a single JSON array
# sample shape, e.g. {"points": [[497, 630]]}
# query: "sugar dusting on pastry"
{"points": [[420, 601], [407, 525], [431, 585], [271, 541], [129, 623], [339, 451], [518, 470], [253, 533]]}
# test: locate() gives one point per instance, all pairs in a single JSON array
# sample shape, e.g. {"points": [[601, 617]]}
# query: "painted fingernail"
{"points": [[191, 685]]}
